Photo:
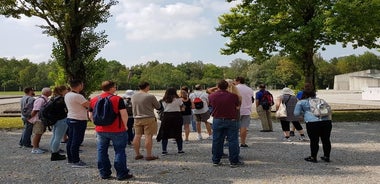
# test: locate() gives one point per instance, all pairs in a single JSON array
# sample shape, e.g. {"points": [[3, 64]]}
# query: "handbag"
{"points": [[281, 112]]}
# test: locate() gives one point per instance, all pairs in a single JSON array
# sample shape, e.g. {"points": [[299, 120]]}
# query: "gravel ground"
{"points": [[355, 159]]}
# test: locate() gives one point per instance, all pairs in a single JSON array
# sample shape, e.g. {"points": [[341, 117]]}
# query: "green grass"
{"points": [[16, 123]]}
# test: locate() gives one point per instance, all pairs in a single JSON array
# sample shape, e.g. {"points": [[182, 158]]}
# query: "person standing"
{"points": [[171, 123], [38, 127], [245, 108], [26, 135], [225, 110], [264, 114], [290, 102], [186, 114], [128, 104], [143, 105], [317, 127], [77, 118], [203, 114], [59, 113], [116, 132]]}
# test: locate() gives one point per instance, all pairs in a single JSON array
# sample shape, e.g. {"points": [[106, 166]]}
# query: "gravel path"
{"points": [[355, 159]]}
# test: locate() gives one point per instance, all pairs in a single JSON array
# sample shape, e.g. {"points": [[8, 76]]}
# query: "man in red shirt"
{"points": [[225, 123], [116, 132]]}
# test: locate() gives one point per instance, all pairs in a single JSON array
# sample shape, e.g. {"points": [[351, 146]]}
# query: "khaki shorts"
{"points": [[145, 126], [38, 127], [202, 117]]}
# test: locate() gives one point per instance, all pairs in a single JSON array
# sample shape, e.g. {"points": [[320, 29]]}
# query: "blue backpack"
{"points": [[103, 112]]}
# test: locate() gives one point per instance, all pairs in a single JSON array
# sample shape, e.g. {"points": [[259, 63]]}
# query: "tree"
{"points": [[72, 23], [299, 28]]}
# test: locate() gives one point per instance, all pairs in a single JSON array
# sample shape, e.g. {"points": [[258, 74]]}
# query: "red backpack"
{"points": [[266, 100]]}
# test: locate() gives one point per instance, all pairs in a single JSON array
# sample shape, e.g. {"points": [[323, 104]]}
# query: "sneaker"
{"points": [[164, 153], [209, 137], [244, 145], [287, 139], [217, 164], [187, 141], [27, 146], [326, 159], [311, 159], [291, 133], [79, 164], [181, 152], [200, 137], [303, 138], [37, 151], [128, 176], [237, 164]]}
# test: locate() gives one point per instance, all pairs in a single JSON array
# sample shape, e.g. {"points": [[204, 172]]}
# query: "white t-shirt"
{"points": [[202, 95], [74, 106], [246, 99], [175, 106]]}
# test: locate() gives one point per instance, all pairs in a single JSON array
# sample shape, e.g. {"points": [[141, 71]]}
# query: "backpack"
{"points": [[198, 103], [45, 113], [28, 107], [319, 107], [128, 105], [103, 112], [266, 100]]}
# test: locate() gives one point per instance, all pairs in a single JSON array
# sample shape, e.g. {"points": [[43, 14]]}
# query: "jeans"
{"points": [[26, 133], [119, 142], [77, 129], [316, 130], [59, 129], [222, 128], [179, 144], [131, 133]]}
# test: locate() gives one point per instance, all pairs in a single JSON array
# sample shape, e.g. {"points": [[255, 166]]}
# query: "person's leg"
{"points": [[164, 145], [119, 141], [233, 141], [104, 164], [148, 145], [217, 141], [325, 138], [79, 129], [139, 131], [59, 129], [244, 124], [312, 131], [208, 128], [179, 144], [130, 130], [38, 130], [26, 134], [298, 127], [136, 144], [269, 119], [70, 131], [36, 141], [187, 131], [285, 125], [262, 116]]}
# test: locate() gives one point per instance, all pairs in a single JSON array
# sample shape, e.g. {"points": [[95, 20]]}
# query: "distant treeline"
{"points": [[277, 72]]}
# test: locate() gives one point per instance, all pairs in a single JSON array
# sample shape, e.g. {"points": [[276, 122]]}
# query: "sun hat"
{"points": [[128, 93], [287, 91]]}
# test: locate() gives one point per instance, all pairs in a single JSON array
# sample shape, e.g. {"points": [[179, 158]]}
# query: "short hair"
{"points": [[75, 83], [107, 85], [45, 90], [198, 87], [185, 88], [143, 85], [28, 89], [240, 79], [223, 84], [262, 86], [57, 91]]}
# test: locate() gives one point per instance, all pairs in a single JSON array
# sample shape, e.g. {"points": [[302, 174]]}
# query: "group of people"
{"points": [[229, 103]]}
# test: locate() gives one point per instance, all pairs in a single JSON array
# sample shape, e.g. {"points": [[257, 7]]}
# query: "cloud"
{"points": [[147, 20], [168, 57]]}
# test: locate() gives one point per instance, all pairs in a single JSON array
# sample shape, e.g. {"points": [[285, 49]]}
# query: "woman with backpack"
{"points": [[317, 126], [287, 97], [171, 123], [59, 114]]}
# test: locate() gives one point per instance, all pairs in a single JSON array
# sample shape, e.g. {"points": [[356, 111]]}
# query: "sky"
{"points": [[171, 31]]}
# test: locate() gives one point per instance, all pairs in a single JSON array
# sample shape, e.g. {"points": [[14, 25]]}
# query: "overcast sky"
{"points": [[173, 31]]}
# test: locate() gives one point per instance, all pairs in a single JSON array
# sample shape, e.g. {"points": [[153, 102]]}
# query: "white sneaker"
{"points": [[303, 138], [209, 137], [200, 137], [37, 151], [287, 139]]}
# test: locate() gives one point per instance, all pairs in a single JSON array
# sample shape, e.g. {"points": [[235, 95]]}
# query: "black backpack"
{"points": [[103, 113], [198, 103], [26, 111], [49, 114]]}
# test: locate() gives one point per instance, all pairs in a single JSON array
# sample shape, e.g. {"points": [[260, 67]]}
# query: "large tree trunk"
{"points": [[309, 67]]}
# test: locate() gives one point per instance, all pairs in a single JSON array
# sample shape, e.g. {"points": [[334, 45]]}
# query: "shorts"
{"points": [[245, 120], [145, 126], [186, 119], [202, 117], [38, 127]]}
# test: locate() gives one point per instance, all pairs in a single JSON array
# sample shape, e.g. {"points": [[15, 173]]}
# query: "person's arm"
{"points": [[298, 109], [278, 102], [124, 116]]}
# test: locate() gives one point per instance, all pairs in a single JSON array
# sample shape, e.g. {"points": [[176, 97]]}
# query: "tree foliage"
{"points": [[72, 23], [299, 28]]}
